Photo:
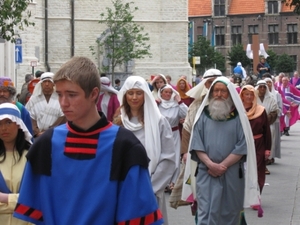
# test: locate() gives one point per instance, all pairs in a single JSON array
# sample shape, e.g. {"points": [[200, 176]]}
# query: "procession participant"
{"points": [[172, 108], [15, 140], [43, 106], [220, 156], [139, 113]]}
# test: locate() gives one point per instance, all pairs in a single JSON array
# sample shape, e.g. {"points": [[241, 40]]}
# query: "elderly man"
{"points": [[295, 81], [43, 106], [267, 100], [7, 93], [198, 93], [220, 140], [291, 103]]}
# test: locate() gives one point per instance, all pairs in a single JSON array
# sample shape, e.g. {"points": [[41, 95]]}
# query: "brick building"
{"points": [[64, 28], [235, 21]]}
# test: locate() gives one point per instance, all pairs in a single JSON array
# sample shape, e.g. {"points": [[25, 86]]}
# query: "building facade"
{"points": [[66, 28], [235, 21]]}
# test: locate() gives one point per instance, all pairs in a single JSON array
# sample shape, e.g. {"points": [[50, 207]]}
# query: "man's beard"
{"points": [[219, 108]]}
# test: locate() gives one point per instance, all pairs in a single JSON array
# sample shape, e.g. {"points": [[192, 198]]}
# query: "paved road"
{"points": [[281, 194]]}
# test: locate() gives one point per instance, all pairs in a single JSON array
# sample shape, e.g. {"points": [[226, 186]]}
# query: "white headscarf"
{"points": [[11, 111], [266, 103], [168, 103], [38, 87], [200, 90], [106, 85], [252, 194], [152, 117]]}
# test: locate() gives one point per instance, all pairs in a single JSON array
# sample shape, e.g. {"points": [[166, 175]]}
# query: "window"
{"points": [[292, 33], [252, 29], [236, 35], [219, 8], [220, 35], [273, 7], [273, 34]]}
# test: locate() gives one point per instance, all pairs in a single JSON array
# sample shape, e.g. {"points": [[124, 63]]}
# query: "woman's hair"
{"points": [[117, 116], [20, 144]]}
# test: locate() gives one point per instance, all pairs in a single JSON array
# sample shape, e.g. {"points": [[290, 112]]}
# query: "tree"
{"points": [[284, 63], [272, 59], [203, 49], [220, 61], [238, 54], [124, 40], [13, 13], [293, 3]]}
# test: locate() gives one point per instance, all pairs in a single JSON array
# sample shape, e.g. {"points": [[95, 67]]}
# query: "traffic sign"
{"points": [[33, 63], [18, 54], [18, 51]]}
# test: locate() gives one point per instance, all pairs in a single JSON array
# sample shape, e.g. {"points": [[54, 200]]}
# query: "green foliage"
{"points": [[220, 61], [123, 40], [238, 54], [206, 52], [291, 3], [272, 59], [12, 13], [284, 63]]}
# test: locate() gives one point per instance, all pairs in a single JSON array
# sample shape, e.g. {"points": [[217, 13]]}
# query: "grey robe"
{"points": [[220, 200]]}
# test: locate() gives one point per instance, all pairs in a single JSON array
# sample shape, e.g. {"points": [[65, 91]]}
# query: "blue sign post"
{"points": [[18, 51]]}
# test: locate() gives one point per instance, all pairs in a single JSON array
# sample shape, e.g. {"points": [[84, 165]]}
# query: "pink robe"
{"points": [[290, 95]]}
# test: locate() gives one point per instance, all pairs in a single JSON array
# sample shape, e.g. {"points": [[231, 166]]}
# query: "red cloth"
{"points": [[113, 105]]}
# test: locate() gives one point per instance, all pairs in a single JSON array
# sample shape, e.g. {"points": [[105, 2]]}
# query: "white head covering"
{"points": [[168, 103], [11, 111], [152, 117], [106, 85], [252, 194], [200, 90], [38, 87], [263, 83], [239, 64]]}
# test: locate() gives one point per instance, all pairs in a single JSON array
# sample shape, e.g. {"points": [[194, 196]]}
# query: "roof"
{"points": [[236, 7], [286, 8], [200, 8]]}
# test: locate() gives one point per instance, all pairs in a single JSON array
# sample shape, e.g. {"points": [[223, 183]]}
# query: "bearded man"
{"points": [[198, 93], [221, 138]]}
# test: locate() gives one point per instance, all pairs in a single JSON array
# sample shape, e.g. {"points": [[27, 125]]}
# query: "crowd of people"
{"points": [[117, 149]]}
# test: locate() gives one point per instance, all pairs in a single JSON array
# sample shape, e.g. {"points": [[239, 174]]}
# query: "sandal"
{"points": [[267, 172]]}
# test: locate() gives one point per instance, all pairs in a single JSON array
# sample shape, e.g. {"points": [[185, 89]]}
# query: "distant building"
{"points": [[65, 28], [234, 22]]}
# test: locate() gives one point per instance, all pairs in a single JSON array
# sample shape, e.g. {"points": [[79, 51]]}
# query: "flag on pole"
{"points": [[213, 37], [204, 30]]}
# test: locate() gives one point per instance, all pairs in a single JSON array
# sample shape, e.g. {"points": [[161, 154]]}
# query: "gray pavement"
{"points": [[281, 194]]}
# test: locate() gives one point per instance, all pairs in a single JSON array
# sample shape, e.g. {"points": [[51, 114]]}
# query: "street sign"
{"points": [[18, 54], [33, 63], [18, 51], [197, 60]]}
